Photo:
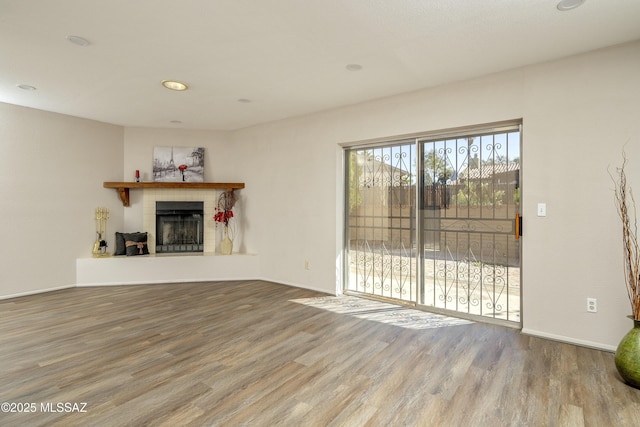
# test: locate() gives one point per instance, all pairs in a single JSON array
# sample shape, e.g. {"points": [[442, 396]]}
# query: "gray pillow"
{"points": [[121, 249], [135, 243]]}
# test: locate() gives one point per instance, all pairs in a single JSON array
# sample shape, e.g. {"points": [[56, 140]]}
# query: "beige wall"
{"points": [[51, 179], [577, 112]]}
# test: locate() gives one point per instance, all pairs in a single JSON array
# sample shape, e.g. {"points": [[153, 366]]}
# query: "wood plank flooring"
{"points": [[240, 353]]}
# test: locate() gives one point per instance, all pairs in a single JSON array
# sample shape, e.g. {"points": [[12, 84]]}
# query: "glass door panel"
{"points": [[381, 221], [471, 198]]}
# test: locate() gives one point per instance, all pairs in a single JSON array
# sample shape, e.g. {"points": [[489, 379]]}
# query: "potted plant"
{"points": [[627, 358]]}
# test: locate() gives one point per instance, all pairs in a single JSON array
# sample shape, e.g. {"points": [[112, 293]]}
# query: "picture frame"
{"points": [[178, 164]]}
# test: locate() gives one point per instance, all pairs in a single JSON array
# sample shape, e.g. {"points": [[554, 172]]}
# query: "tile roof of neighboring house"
{"points": [[377, 165], [487, 171]]}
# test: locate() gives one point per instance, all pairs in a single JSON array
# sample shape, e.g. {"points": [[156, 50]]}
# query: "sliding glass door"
{"points": [[434, 221]]}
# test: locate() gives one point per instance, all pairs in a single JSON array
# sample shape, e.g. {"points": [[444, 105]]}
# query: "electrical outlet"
{"points": [[307, 265], [592, 305]]}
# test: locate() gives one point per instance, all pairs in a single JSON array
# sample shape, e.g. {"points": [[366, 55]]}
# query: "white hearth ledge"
{"points": [[134, 270]]}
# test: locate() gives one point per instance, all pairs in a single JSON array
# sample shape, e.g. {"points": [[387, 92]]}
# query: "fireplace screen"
{"points": [[179, 227]]}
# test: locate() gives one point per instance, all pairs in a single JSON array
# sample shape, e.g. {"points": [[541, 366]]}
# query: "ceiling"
{"points": [[254, 61]]}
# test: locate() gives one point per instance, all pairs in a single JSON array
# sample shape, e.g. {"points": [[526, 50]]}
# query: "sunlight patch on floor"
{"points": [[382, 312]]}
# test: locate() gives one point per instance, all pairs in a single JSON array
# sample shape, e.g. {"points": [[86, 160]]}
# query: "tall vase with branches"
{"points": [[626, 205], [627, 358]]}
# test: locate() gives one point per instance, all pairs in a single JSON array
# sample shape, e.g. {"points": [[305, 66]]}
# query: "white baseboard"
{"points": [[37, 291], [154, 282], [569, 340], [162, 282], [297, 285]]}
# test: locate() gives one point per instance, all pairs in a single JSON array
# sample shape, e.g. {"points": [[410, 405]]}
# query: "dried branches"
{"points": [[626, 205], [226, 201]]}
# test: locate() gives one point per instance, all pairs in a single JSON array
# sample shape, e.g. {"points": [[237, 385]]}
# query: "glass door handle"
{"points": [[518, 231]]}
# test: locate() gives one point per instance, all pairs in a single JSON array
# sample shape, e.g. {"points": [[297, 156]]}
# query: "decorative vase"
{"points": [[226, 244], [628, 356]]}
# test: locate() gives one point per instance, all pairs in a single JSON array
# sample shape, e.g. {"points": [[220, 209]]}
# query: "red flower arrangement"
{"points": [[223, 216], [224, 211]]}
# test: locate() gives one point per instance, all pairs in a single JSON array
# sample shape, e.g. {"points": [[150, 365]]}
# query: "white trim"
{"points": [[456, 132], [296, 285], [161, 282], [569, 340], [35, 292]]}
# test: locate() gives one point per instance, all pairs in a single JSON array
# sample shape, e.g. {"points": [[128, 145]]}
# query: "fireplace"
{"points": [[179, 226]]}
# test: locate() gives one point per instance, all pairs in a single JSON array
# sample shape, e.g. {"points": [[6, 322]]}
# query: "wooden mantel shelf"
{"points": [[123, 187]]}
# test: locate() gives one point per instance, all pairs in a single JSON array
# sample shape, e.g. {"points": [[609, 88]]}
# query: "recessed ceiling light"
{"points": [[354, 67], [26, 87], [174, 85], [244, 100], [569, 4], [78, 41]]}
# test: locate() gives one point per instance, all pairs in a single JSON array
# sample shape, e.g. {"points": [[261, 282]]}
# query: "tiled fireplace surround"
{"points": [[151, 195]]}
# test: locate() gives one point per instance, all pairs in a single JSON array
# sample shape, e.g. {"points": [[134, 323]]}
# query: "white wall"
{"points": [[578, 113], [51, 179]]}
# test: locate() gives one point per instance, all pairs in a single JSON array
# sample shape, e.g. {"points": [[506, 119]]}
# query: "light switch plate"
{"points": [[542, 209]]}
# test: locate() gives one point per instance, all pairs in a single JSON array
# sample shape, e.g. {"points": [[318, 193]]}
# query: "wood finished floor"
{"points": [[239, 353]]}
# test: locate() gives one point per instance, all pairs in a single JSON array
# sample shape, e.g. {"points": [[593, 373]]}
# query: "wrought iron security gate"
{"points": [[471, 241], [435, 222], [381, 218]]}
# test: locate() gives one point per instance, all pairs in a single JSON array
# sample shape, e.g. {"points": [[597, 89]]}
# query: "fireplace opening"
{"points": [[179, 227]]}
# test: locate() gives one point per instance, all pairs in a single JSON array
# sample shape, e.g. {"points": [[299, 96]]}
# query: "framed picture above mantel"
{"points": [[178, 164]]}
